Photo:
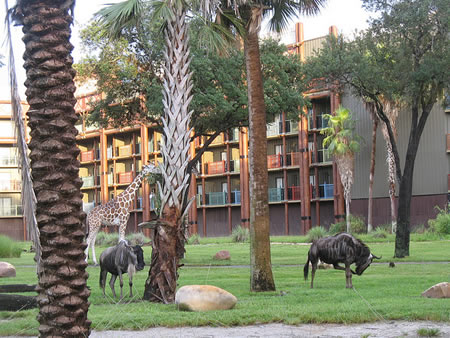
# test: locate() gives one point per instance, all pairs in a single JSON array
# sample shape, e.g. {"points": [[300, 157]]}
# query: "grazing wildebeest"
{"points": [[340, 248], [118, 260]]}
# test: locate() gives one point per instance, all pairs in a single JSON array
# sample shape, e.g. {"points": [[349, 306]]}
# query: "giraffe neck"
{"points": [[128, 194]]}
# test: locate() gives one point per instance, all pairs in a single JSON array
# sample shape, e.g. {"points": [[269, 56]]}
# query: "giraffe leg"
{"points": [[122, 227], [93, 230]]}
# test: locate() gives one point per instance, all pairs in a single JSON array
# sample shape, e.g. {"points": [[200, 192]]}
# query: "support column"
{"points": [[244, 178], [103, 166], [146, 216]]}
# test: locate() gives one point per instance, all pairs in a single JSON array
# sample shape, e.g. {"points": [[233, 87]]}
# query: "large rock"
{"points": [[441, 290], [7, 270], [222, 255], [204, 298]]}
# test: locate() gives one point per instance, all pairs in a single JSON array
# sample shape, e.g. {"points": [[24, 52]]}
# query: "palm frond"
{"points": [[119, 16], [28, 196]]}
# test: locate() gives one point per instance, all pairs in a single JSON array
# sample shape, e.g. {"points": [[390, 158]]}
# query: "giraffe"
{"points": [[115, 212]]}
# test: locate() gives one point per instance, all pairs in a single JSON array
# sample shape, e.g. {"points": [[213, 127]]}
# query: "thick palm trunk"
{"points": [[261, 278], [168, 240], [345, 165], [63, 295]]}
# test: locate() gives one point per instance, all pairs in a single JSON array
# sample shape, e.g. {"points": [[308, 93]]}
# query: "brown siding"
{"points": [[12, 227]]}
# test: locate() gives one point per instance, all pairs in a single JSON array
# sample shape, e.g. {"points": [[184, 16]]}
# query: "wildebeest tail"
{"points": [[306, 269]]}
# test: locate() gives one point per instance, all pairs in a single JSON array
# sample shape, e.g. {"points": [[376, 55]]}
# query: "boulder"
{"points": [[7, 270], [222, 255], [204, 298], [441, 290]]}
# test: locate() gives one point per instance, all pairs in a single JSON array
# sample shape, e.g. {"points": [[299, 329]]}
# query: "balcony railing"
{"points": [[274, 161], [294, 193], [272, 129], [214, 168], [126, 150], [293, 159], [88, 206], [321, 122], [87, 156], [276, 194], [13, 210], [88, 181], [124, 178], [326, 190], [322, 154], [8, 161], [219, 198]]}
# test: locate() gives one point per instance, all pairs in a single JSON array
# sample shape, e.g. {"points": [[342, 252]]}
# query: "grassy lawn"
{"points": [[380, 293]]}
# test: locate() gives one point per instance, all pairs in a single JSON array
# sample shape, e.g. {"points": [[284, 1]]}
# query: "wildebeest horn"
{"points": [[376, 257]]}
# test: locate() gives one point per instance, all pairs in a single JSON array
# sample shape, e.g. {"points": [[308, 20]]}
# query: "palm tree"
{"points": [[168, 230], [63, 294], [246, 17], [342, 142]]}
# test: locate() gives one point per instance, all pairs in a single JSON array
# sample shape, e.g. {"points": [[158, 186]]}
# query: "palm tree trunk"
{"points": [[261, 278], [372, 173], [168, 240], [63, 294]]}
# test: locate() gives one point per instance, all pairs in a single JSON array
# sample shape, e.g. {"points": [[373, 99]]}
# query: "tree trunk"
{"points": [[261, 278], [168, 240], [404, 213], [63, 294], [347, 214], [168, 249], [372, 173]]}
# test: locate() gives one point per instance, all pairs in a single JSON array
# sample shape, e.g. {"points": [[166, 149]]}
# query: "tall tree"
{"points": [[63, 294], [342, 143], [408, 49], [246, 16]]}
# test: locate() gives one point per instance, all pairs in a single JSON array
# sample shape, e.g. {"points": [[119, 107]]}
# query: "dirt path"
{"points": [[377, 329]]}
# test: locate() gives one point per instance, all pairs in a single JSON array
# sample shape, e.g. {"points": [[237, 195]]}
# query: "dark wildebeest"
{"points": [[120, 259], [340, 248]]}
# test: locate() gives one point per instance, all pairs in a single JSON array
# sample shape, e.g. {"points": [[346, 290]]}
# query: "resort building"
{"points": [[304, 186]]}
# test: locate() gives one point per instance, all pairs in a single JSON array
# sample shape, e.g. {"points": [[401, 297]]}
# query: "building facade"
{"points": [[299, 168]]}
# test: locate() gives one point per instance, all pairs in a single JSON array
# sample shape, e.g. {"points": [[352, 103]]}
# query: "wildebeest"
{"points": [[120, 259], [340, 248]]}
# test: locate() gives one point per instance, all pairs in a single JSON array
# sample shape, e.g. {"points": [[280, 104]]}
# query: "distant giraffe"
{"points": [[115, 212]]}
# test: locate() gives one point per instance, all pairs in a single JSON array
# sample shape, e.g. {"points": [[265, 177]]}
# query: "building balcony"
{"points": [[9, 161], [12, 185], [276, 194], [321, 122], [87, 156], [11, 211], [125, 178], [274, 161], [325, 191], [323, 156], [124, 151], [293, 159], [88, 181], [294, 193], [219, 198], [214, 168]]}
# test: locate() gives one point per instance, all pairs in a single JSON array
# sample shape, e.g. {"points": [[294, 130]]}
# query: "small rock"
{"points": [[441, 290], [7, 270], [391, 264], [222, 255], [204, 298]]}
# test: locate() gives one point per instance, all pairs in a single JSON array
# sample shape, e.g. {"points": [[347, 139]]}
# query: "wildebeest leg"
{"points": [[338, 267], [313, 272], [130, 282], [121, 283], [348, 276], [111, 284], [103, 274]]}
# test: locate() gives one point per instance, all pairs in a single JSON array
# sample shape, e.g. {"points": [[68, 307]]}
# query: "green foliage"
{"points": [[315, 233], [357, 226], [193, 239], [137, 238], [240, 234], [111, 239], [379, 233], [441, 224], [9, 248], [428, 332]]}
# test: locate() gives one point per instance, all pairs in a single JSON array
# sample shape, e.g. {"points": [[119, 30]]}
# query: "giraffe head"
{"points": [[150, 169]]}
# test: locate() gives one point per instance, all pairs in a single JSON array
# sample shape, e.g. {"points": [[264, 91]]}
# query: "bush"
{"points": [[357, 226], [315, 233], [441, 224], [137, 238], [379, 233], [193, 239], [9, 248], [240, 235]]}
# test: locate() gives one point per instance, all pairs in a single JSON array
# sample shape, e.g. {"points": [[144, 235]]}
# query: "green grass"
{"points": [[392, 293]]}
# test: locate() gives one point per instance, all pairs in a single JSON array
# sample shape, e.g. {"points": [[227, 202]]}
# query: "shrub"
{"points": [[315, 233], [9, 248], [240, 235], [193, 239], [379, 233], [137, 238], [106, 239], [357, 226], [426, 332], [441, 224]]}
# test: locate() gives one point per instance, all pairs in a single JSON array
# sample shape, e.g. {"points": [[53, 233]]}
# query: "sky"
{"points": [[346, 15]]}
